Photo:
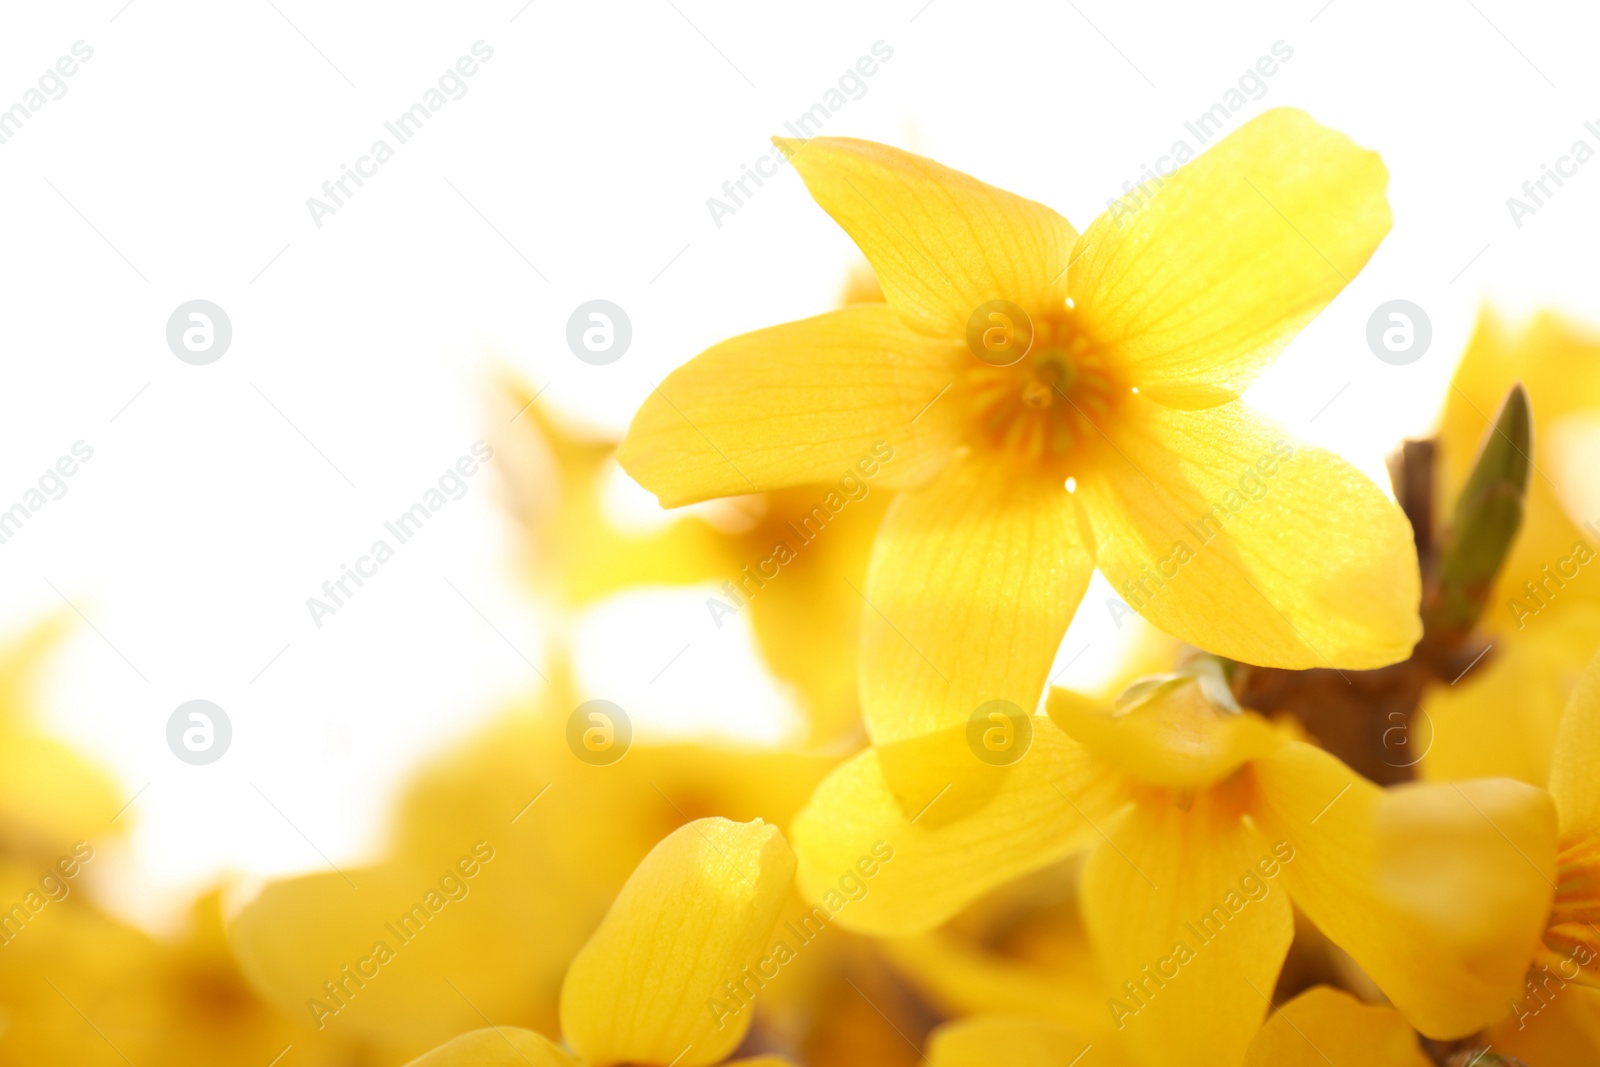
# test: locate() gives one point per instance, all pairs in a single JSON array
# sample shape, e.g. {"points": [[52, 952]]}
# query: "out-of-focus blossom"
{"points": [[794, 559], [1544, 613], [1555, 559], [650, 985], [1554, 1020], [512, 847]]}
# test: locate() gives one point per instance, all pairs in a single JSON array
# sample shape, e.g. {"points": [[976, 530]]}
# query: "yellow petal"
{"points": [[1194, 293], [1574, 784], [1170, 734], [1218, 529], [1501, 719], [1326, 1027], [695, 913], [803, 403], [986, 1040], [1189, 930], [952, 826], [942, 243], [496, 1046], [971, 586], [1439, 891]]}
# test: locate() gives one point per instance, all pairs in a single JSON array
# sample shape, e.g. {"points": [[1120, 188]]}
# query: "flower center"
{"points": [[1572, 936], [1043, 407]]}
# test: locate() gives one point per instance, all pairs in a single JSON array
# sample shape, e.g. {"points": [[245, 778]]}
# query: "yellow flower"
{"points": [[1544, 612], [521, 846], [187, 1003], [1554, 562], [1117, 441], [1321, 1027], [1204, 822], [1555, 1017], [78, 985], [570, 550], [649, 986]]}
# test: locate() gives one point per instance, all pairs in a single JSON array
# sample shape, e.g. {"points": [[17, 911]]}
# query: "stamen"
{"points": [[1571, 946], [1042, 408], [1037, 394]]}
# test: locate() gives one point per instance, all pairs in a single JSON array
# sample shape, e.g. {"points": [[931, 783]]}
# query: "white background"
{"points": [[178, 164]]}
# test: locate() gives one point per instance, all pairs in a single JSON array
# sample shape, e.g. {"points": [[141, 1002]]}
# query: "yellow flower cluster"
{"points": [[1223, 863]]}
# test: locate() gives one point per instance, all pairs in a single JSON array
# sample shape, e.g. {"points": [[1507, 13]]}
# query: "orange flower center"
{"points": [[1044, 407], [1571, 946]]}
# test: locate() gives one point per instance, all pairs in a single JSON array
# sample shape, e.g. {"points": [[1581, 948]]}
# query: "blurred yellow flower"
{"points": [[1205, 823], [1575, 788], [50, 796], [1555, 1018], [650, 985], [522, 846], [1552, 564], [1544, 613], [1201, 512], [794, 580], [78, 985]]}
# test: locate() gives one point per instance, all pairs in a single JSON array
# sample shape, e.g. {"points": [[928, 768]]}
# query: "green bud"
{"points": [[1487, 515]]}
